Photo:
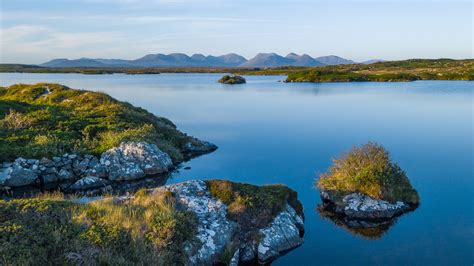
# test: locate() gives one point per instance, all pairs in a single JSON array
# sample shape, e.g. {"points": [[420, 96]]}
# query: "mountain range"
{"points": [[199, 60]]}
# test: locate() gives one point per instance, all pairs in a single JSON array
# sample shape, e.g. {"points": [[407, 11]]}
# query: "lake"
{"points": [[273, 132]]}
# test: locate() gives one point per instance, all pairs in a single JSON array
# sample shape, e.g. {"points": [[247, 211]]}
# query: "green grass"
{"points": [[407, 70], [34, 123], [369, 170], [49, 230], [253, 207]]}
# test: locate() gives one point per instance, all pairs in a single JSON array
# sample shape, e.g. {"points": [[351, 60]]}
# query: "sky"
{"points": [[35, 31]]}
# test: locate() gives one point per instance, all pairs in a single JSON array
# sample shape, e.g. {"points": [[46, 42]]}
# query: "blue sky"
{"points": [[34, 31]]}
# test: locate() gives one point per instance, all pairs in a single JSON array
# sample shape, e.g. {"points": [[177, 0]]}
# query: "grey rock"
{"points": [[32, 161], [50, 170], [198, 147], [46, 162], [93, 161], [88, 182], [248, 252], [214, 230], [360, 206], [234, 261], [98, 170], [132, 160], [283, 234], [16, 175], [65, 175], [50, 178]]}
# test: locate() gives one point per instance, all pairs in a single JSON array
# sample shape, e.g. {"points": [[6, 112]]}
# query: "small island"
{"points": [[364, 184], [232, 79]]}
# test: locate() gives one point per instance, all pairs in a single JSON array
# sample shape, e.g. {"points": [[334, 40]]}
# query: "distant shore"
{"points": [[396, 71]]}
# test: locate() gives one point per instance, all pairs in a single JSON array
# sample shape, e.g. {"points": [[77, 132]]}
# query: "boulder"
{"points": [[132, 160], [65, 175], [88, 182], [199, 147], [283, 234], [17, 175]]}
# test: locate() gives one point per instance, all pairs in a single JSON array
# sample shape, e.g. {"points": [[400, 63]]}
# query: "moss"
{"points": [[52, 230], [368, 170], [253, 207], [45, 120]]}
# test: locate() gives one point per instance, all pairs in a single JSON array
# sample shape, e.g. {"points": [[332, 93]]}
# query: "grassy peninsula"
{"points": [[50, 119]]}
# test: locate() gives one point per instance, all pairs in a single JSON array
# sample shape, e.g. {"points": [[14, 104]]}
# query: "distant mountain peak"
{"points": [[200, 60]]}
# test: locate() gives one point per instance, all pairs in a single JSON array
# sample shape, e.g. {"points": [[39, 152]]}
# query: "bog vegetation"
{"points": [[369, 170], [407, 70], [50, 230], [50, 119]]}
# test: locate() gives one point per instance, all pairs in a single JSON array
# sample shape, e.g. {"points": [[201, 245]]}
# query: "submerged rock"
{"points": [[132, 160]]}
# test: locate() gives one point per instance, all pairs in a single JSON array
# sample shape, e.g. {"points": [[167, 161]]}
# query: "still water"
{"points": [[273, 132]]}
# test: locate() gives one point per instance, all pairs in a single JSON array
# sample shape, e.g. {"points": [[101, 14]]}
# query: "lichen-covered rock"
{"points": [[88, 182], [360, 206], [18, 174], [214, 230], [132, 160], [283, 234], [65, 175]]}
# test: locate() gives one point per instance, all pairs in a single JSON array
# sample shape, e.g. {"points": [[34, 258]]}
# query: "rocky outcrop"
{"points": [[133, 160], [360, 206], [128, 161], [215, 230], [283, 234]]}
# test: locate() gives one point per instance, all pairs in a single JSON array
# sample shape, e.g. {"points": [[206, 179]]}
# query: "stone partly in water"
{"points": [[360, 214], [215, 231], [88, 182], [360, 206], [284, 233], [133, 160]]}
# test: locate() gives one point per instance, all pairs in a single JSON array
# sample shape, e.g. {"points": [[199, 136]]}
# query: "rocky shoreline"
{"points": [[215, 231], [72, 173]]}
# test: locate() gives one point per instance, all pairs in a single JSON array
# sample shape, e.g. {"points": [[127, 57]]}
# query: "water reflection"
{"points": [[367, 229]]}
